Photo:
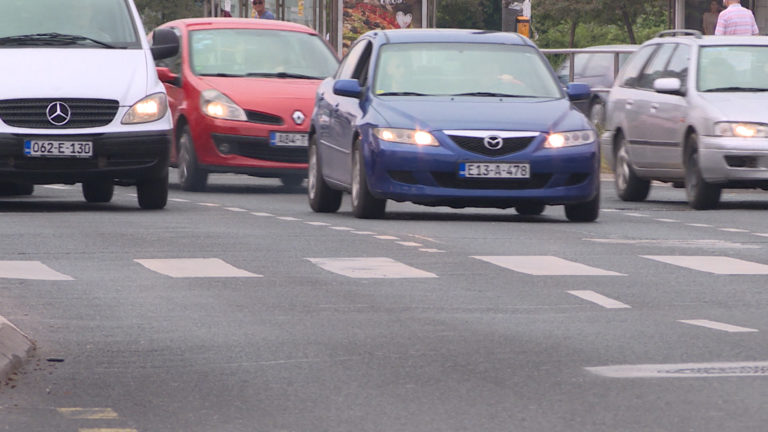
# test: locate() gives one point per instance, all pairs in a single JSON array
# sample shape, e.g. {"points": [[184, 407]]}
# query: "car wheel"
{"points": [[629, 187], [584, 212], [322, 198], [98, 191], [191, 176], [364, 204], [153, 192], [291, 181], [597, 113], [701, 195], [530, 209]]}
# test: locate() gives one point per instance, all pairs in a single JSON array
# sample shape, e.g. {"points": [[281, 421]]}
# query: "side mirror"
{"points": [[165, 43], [668, 85], [578, 91], [348, 88], [165, 75]]}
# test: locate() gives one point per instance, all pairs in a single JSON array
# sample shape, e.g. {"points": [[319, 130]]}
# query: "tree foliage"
{"points": [[156, 12]]}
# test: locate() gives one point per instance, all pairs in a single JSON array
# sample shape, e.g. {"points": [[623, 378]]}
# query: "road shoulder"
{"points": [[15, 347]]}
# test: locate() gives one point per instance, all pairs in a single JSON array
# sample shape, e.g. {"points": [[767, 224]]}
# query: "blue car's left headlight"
{"points": [[570, 139], [406, 136]]}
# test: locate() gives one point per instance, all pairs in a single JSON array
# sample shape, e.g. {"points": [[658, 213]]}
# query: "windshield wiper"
{"points": [[488, 94], [221, 74], [737, 89], [403, 93], [43, 38], [282, 75]]}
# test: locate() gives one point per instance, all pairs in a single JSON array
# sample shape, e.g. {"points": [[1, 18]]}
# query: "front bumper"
{"points": [[734, 160], [120, 156]]}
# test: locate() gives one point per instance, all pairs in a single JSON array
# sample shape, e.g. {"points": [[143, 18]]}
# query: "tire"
{"points": [[530, 209], [364, 204], [24, 188], [98, 191], [322, 199], [292, 182], [191, 176], [597, 113], [153, 192], [629, 187], [701, 195], [584, 212]]}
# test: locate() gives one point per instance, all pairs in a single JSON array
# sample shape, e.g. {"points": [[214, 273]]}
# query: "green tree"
{"points": [[156, 12], [460, 14]]}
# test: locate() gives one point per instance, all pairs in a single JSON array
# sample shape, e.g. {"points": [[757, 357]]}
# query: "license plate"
{"points": [[494, 170], [287, 139], [64, 149]]}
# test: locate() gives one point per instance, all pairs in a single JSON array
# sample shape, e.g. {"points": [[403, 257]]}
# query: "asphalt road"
{"points": [[238, 309]]}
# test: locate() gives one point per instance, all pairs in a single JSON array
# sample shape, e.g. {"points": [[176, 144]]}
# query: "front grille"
{"points": [[259, 148], [476, 145], [32, 113], [449, 180], [259, 117]]}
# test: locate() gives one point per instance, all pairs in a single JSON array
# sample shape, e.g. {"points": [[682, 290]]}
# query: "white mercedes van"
{"points": [[80, 101]]}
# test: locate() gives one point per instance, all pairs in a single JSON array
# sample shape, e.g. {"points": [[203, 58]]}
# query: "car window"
{"points": [[172, 63], [733, 68], [361, 69], [631, 70], [678, 64], [349, 63], [655, 66], [452, 69], [257, 52]]}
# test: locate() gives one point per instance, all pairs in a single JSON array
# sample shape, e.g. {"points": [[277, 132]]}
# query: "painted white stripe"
{"points": [[194, 267], [431, 250], [600, 299], [32, 270], [761, 234], [635, 214], [683, 370], [667, 220], [288, 218], [209, 204], [261, 214], [88, 413], [718, 326], [410, 244], [736, 230], [61, 187], [317, 223], [341, 228], [713, 264], [235, 209], [387, 237], [609, 210], [178, 200], [699, 225], [374, 267], [363, 232], [546, 266]]}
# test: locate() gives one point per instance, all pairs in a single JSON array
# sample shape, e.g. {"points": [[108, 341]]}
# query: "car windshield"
{"points": [[70, 24], [463, 69], [265, 53], [733, 68]]}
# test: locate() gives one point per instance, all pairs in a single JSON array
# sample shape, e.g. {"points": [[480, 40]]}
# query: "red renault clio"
{"points": [[241, 92]]}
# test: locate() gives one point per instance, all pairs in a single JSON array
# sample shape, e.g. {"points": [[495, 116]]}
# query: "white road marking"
{"points": [[699, 225], [667, 220], [261, 214], [678, 243], [600, 299], [410, 244], [194, 267], [713, 264], [209, 204], [737, 230], [363, 232], [718, 326], [61, 187], [235, 209], [317, 223], [341, 228], [387, 237], [88, 413], [32, 270], [635, 214], [178, 199], [288, 218], [546, 266], [431, 250], [761, 234], [683, 370], [373, 267]]}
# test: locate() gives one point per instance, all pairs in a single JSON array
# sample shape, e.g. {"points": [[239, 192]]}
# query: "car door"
{"points": [[622, 112], [334, 152]]}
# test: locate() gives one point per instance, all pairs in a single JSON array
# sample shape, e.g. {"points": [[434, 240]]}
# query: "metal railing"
{"points": [[571, 53]]}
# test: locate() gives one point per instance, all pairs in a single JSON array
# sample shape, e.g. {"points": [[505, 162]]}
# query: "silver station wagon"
{"points": [[691, 110]]}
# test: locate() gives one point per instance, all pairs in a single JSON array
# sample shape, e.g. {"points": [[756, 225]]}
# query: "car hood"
{"points": [[117, 74], [258, 93], [747, 107], [475, 113]]}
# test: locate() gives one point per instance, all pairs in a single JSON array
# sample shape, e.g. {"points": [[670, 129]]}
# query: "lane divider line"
{"points": [[718, 326]]}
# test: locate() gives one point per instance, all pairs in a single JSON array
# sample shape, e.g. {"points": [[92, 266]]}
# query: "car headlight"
{"points": [[149, 109], [569, 139], [215, 104], [406, 136], [741, 130]]}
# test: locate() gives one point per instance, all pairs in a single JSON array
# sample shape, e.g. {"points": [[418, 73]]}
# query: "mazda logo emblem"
{"points": [[493, 142], [298, 117], [58, 113]]}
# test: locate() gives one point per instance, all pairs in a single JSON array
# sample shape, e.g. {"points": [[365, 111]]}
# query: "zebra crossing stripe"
{"points": [[600, 299], [713, 264], [372, 267], [32, 270], [718, 326], [545, 266], [194, 268]]}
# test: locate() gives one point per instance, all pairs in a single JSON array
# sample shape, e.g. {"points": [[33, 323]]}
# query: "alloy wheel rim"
{"points": [[622, 177], [311, 181]]}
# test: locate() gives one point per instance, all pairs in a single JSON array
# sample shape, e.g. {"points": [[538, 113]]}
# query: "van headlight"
{"points": [[741, 130], [570, 139], [406, 136], [215, 104], [151, 108]]}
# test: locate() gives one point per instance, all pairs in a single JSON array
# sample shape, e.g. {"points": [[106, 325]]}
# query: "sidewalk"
{"points": [[15, 347]]}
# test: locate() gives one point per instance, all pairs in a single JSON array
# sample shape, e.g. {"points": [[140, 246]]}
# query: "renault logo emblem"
{"points": [[298, 117], [58, 113], [493, 142]]}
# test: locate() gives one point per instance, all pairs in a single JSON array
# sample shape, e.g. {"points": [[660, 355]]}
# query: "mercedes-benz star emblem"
{"points": [[298, 117], [493, 142], [58, 113]]}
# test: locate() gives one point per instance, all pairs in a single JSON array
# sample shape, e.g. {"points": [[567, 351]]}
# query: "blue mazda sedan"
{"points": [[459, 118]]}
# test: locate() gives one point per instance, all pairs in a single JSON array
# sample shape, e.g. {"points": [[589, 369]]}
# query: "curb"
{"points": [[15, 347]]}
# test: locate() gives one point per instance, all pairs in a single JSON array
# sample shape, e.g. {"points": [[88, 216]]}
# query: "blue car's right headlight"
{"points": [[570, 139], [406, 136]]}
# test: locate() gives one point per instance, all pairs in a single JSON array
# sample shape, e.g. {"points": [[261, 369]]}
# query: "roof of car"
{"points": [[249, 23], [715, 40], [451, 35]]}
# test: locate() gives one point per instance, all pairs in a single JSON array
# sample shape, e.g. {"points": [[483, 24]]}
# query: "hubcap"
{"points": [[622, 169], [311, 181]]}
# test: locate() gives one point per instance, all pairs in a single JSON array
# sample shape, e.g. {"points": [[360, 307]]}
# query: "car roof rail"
{"points": [[679, 32]]}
